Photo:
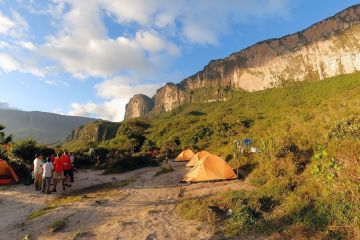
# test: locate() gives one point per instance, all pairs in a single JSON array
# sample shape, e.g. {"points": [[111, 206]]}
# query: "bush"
{"points": [[25, 150]]}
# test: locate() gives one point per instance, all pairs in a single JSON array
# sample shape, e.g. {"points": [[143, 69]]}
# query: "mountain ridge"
{"points": [[47, 128], [325, 49]]}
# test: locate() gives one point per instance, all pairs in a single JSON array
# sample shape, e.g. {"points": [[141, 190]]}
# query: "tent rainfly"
{"points": [[195, 159], [185, 155], [7, 174], [210, 168]]}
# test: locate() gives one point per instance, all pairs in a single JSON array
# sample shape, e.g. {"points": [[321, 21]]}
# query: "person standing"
{"points": [[58, 173], [48, 168], [72, 159], [38, 171], [67, 168]]}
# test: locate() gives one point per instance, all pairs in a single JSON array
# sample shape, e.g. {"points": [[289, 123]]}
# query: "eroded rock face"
{"points": [[326, 49], [96, 131], [169, 97], [138, 106]]}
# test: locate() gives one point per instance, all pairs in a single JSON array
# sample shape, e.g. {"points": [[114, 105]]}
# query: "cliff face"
{"points": [[139, 105], [328, 48], [96, 131], [169, 97]]}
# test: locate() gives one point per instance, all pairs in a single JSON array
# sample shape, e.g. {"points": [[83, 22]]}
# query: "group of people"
{"points": [[53, 169]]}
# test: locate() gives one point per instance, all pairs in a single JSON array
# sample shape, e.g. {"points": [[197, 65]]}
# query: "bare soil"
{"points": [[143, 209]]}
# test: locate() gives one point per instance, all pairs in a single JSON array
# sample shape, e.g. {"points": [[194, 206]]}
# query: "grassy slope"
{"points": [[302, 112], [309, 193]]}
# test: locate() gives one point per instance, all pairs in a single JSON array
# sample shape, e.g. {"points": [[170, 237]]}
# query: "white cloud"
{"points": [[152, 42], [115, 88], [118, 91], [111, 110], [27, 45], [4, 44], [95, 57], [5, 24], [14, 26], [9, 64], [4, 105]]}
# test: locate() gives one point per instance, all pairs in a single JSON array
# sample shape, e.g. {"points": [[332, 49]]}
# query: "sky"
{"points": [[89, 57]]}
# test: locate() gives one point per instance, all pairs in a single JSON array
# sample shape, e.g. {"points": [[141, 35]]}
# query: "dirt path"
{"points": [[144, 209]]}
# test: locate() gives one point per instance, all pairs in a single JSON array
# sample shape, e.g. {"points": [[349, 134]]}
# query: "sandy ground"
{"points": [[144, 209]]}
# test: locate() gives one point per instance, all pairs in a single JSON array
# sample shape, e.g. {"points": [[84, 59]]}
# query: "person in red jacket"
{"points": [[67, 168], [58, 173]]}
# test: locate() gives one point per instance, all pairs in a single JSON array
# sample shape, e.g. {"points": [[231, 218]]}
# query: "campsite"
{"points": [[178, 120]]}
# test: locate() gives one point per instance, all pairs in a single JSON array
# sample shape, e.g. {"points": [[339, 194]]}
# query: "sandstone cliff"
{"points": [[96, 131], [328, 48], [139, 105], [169, 97]]}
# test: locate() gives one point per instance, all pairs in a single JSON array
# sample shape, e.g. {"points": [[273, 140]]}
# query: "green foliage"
{"points": [[4, 140], [325, 167], [126, 163], [164, 170], [25, 150], [133, 132], [58, 225]]}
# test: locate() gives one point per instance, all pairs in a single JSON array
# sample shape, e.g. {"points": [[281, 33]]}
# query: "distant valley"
{"points": [[46, 128]]}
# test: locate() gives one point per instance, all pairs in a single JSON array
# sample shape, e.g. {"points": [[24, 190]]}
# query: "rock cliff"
{"points": [[328, 48], [139, 105], [96, 131]]}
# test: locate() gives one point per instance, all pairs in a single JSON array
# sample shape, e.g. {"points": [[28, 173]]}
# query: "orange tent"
{"points": [[210, 168], [185, 155], [195, 159], [7, 174]]}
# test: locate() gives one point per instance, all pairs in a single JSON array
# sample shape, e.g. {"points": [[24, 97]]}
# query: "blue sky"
{"points": [[89, 57]]}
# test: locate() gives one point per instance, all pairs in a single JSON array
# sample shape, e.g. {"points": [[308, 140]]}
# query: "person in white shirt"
{"points": [[38, 172], [48, 169]]}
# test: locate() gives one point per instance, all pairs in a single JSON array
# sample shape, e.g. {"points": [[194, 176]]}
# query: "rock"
{"points": [[169, 97], [138, 106], [151, 237], [94, 132]]}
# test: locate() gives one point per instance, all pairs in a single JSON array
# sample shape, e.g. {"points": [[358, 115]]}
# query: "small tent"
{"points": [[195, 159], [210, 168], [185, 155], [7, 174]]}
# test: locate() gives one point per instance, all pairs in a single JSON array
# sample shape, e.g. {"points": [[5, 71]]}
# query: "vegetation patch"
{"points": [[164, 170], [58, 225], [79, 234], [53, 204]]}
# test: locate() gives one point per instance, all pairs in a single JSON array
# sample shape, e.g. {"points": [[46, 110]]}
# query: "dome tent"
{"points": [[195, 159], [185, 155], [7, 174], [210, 168]]}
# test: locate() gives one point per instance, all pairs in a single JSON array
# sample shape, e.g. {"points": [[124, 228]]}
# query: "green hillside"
{"points": [[301, 113]]}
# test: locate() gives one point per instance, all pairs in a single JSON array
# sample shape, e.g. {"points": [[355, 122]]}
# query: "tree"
{"points": [[134, 131], [4, 140], [25, 150]]}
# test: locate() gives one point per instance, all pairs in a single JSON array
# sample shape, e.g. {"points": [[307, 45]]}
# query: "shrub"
{"points": [[58, 225], [25, 150]]}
